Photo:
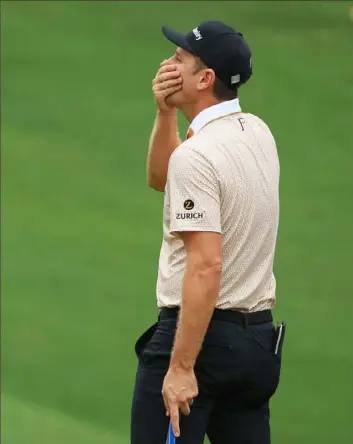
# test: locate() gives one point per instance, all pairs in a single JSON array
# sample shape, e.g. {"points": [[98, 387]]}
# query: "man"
{"points": [[214, 355]]}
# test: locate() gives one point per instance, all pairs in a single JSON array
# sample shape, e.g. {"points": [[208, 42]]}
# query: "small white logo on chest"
{"points": [[197, 34]]}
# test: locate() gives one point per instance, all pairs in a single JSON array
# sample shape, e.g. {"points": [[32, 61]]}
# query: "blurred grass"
{"points": [[81, 232], [39, 424]]}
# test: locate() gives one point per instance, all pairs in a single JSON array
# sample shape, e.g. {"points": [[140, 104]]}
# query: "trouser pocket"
{"points": [[143, 340], [278, 339]]}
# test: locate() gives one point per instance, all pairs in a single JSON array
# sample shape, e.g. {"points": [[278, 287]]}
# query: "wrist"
{"points": [[181, 363], [180, 368], [167, 114]]}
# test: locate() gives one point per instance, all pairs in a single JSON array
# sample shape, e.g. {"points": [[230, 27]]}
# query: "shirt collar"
{"points": [[214, 112]]}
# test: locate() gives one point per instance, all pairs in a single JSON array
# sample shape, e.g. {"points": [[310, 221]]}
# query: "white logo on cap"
{"points": [[197, 34], [235, 79]]}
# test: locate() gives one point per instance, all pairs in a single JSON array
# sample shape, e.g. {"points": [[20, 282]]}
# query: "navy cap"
{"points": [[220, 47]]}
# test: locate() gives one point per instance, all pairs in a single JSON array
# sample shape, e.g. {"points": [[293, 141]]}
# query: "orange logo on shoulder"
{"points": [[190, 133]]}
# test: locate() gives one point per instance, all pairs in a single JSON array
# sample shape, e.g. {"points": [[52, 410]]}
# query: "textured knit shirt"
{"points": [[224, 179]]}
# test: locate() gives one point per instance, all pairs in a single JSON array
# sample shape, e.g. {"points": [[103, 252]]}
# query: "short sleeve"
{"points": [[193, 193]]}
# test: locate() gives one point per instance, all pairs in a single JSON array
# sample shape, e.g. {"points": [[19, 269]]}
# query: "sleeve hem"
{"points": [[196, 229]]}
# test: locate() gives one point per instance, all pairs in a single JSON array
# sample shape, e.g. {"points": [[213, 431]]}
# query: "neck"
{"points": [[191, 110]]}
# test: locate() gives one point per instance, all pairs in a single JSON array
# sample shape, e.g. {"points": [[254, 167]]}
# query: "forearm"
{"points": [[163, 141], [200, 293]]}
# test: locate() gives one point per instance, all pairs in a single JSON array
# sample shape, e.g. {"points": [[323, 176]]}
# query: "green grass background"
{"points": [[81, 232]]}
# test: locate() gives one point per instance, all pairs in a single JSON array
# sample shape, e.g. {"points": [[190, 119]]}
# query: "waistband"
{"points": [[239, 317]]}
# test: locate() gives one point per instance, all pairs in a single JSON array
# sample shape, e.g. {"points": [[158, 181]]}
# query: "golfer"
{"points": [[212, 361]]}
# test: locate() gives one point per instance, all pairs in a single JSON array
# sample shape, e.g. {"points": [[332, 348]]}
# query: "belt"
{"points": [[239, 317]]}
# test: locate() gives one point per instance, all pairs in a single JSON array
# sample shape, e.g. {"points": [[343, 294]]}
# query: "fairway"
{"points": [[81, 231]]}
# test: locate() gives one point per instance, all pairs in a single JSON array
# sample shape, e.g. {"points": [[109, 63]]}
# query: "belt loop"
{"points": [[246, 323]]}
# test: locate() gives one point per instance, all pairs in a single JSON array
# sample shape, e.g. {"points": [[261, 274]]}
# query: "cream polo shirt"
{"points": [[224, 179]]}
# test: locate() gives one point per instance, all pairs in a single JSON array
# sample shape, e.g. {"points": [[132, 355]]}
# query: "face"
{"points": [[193, 79]]}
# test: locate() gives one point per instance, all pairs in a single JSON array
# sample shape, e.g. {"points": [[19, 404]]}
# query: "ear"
{"points": [[206, 80]]}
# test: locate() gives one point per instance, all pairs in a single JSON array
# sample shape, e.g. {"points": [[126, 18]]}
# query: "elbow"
{"points": [[155, 183], [209, 267]]}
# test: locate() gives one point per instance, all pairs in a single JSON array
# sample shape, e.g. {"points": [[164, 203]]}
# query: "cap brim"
{"points": [[177, 38]]}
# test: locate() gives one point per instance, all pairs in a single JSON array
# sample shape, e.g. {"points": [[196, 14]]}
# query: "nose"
{"points": [[169, 61]]}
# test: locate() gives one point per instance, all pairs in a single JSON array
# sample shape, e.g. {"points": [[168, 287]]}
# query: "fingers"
{"points": [[160, 86], [166, 76], [167, 72], [167, 67], [162, 79], [166, 82], [173, 404], [172, 410], [185, 408], [165, 400], [166, 92], [174, 417]]}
